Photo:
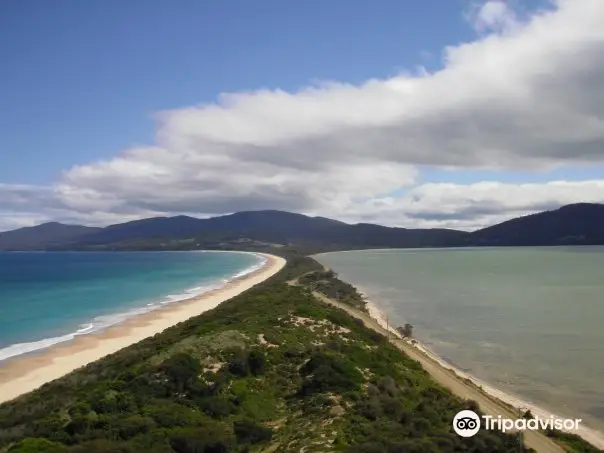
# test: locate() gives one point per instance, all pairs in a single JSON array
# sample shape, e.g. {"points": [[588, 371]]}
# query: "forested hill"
{"points": [[236, 230], [578, 224], [43, 236], [271, 370]]}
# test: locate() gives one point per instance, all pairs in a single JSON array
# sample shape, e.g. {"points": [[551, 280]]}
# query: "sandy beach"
{"points": [[593, 436], [24, 374], [444, 375]]}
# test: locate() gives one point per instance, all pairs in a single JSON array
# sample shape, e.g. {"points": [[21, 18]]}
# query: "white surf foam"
{"points": [[103, 322], [24, 348]]}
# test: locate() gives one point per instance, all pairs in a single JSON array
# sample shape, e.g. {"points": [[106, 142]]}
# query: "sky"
{"points": [[455, 114]]}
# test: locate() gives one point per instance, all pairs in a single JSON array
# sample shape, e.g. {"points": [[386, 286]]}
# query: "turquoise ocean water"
{"points": [[528, 321], [48, 298]]}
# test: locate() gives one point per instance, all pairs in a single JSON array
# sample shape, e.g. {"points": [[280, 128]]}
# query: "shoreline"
{"points": [[591, 435], [25, 373], [119, 315]]}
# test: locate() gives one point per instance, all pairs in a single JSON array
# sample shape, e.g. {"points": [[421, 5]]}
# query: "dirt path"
{"points": [[447, 378]]}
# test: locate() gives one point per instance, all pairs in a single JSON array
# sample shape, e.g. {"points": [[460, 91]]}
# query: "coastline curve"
{"points": [[23, 374]]}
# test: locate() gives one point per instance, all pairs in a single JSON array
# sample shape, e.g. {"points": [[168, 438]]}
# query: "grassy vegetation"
{"points": [[571, 442], [327, 282], [270, 370]]}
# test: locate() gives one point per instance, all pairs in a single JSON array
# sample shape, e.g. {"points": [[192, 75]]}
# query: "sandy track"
{"points": [[447, 378]]}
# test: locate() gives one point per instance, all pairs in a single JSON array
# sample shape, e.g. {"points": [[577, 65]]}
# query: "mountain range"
{"points": [[576, 224]]}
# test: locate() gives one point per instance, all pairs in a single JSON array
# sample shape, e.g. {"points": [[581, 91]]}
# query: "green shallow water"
{"points": [[529, 321]]}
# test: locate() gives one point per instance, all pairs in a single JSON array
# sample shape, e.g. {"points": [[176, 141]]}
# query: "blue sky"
{"points": [[83, 83], [84, 78]]}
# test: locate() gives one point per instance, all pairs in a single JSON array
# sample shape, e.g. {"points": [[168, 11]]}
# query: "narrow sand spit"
{"points": [[24, 374]]}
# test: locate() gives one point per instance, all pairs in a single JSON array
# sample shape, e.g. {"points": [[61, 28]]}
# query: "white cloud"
{"points": [[494, 16], [528, 94], [431, 205], [473, 206]]}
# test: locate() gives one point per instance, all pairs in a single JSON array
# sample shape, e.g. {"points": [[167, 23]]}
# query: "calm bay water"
{"points": [[528, 321], [48, 298]]}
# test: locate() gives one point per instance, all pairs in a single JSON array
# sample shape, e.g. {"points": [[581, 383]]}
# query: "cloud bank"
{"points": [[526, 94]]}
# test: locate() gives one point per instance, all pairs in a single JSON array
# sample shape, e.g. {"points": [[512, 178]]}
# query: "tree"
{"points": [[211, 438], [406, 330], [327, 373], [239, 366], [472, 405], [249, 432], [256, 362], [216, 406], [182, 370]]}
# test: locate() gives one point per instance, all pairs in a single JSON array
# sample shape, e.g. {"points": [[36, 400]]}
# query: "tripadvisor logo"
{"points": [[467, 423]]}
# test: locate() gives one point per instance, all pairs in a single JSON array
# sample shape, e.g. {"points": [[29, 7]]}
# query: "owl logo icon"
{"points": [[466, 423]]}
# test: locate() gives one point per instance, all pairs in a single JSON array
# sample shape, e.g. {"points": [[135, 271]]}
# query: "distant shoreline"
{"points": [[462, 247], [26, 373], [591, 435], [101, 321]]}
